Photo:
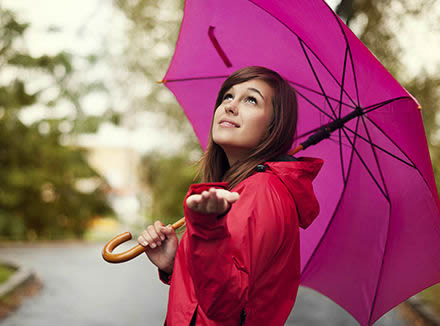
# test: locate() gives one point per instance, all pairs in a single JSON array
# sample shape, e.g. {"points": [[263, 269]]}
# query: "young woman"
{"points": [[238, 261]]}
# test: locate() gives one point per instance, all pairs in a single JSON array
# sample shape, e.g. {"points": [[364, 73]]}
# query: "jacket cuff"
{"points": [[208, 226], [165, 277], [198, 188]]}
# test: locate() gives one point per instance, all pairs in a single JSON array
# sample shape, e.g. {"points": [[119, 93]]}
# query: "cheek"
{"points": [[214, 119], [260, 128], [216, 115]]}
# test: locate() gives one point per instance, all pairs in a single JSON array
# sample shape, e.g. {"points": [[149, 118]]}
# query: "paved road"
{"points": [[81, 289]]}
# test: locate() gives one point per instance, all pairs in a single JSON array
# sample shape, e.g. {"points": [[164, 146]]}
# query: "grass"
{"points": [[5, 273]]}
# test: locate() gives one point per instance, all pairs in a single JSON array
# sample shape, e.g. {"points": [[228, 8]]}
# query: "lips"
{"points": [[229, 123]]}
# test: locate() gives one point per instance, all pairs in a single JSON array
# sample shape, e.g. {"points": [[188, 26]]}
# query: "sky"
{"points": [[88, 25]]}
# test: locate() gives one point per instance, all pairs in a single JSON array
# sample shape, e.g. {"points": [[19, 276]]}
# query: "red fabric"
{"points": [[249, 258]]}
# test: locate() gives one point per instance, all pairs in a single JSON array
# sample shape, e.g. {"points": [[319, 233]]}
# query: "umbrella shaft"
{"points": [[325, 131]]}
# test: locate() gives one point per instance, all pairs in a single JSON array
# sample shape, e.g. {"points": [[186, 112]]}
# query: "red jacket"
{"points": [[246, 264]]}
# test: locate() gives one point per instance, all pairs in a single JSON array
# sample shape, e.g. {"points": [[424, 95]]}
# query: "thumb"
{"points": [[232, 197], [168, 230]]}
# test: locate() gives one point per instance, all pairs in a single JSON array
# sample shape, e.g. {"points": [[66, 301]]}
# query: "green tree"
{"points": [[39, 194], [153, 30], [168, 178]]}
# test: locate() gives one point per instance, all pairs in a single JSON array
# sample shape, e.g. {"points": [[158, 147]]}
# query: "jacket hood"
{"points": [[297, 175]]}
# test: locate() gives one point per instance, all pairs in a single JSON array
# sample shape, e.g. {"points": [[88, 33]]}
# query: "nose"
{"points": [[231, 108]]}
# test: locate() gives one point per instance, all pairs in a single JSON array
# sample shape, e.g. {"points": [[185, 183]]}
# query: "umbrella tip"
{"points": [[163, 81], [419, 107]]}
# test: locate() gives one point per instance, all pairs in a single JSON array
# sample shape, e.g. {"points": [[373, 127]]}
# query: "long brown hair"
{"points": [[279, 137]]}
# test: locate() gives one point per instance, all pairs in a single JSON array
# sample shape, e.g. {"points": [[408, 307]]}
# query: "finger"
{"points": [[205, 195], [213, 202], [142, 241], [232, 197], [229, 196], [168, 230], [193, 201], [154, 236], [202, 206], [145, 239], [158, 226]]}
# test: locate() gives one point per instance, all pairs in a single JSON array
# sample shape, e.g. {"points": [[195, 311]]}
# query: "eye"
{"points": [[251, 99], [227, 96]]}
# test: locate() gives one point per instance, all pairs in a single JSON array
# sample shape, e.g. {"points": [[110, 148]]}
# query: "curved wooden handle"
{"points": [[109, 256]]}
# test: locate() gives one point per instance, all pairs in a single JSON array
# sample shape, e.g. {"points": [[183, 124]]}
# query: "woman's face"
{"points": [[241, 120]]}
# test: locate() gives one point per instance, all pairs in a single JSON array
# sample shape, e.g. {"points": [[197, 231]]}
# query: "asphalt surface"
{"points": [[80, 288]]}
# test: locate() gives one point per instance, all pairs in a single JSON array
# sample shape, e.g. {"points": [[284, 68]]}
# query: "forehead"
{"points": [[258, 84]]}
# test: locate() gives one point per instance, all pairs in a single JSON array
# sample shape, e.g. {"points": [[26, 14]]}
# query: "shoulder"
{"points": [[265, 204], [262, 182], [263, 188]]}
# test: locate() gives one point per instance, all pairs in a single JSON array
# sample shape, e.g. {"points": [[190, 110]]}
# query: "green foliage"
{"points": [[39, 197], [432, 297], [154, 25], [168, 179], [153, 32], [44, 62], [14, 96], [426, 88], [5, 273]]}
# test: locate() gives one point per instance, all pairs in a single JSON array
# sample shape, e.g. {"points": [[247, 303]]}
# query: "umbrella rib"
{"points": [[301, 40], [343, 81], [341, 156], [394, 143], [353, 132], [389, 217], [334, 211], [409, 159], [316, 106], [319, 93], [354, 74], [376, 106], [349, 50], [375, 155], [316, 77], [320, 61], [226, 76], [329, 116], [373, 303], [364, 164], [380, 148], [338, 142]]}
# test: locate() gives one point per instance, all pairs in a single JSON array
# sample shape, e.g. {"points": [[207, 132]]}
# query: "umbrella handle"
{"points": [[110, 257]]}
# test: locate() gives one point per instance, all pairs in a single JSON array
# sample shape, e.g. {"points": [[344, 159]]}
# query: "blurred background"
{"points": [[91, 145]]}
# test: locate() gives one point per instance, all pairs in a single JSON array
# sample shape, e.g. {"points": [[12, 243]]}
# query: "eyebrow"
{"points": [[257, 91]]}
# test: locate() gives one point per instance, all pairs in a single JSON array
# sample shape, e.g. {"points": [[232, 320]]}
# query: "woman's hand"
{"points": [[214, 201], [160, 244]]}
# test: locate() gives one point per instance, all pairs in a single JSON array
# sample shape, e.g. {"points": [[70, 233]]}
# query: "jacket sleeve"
{"points": [[222, 270], [165, 277]]}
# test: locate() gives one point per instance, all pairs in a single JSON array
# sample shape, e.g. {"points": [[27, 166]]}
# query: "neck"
{"points": [[235, 154]]}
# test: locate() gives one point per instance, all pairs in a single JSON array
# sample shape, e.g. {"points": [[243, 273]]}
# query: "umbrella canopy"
{"points": [[376, 241]]}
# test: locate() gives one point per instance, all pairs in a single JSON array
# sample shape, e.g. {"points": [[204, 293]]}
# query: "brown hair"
{"points": [[280, 134]]}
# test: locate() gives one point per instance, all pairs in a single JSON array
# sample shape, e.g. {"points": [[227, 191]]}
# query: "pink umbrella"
{"points": [[376, 241]]}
